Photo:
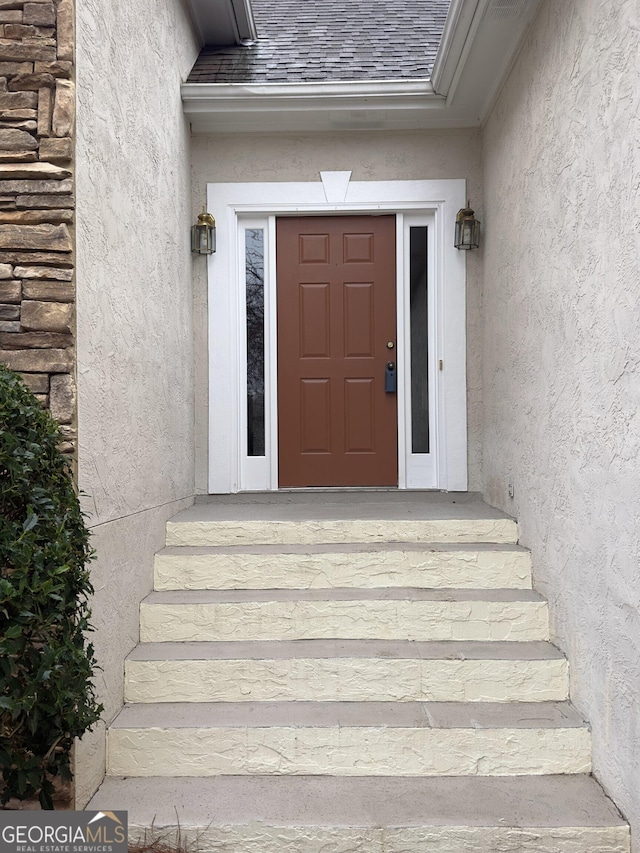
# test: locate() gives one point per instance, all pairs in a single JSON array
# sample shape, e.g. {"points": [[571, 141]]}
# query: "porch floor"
{"points": [[340, 505]]}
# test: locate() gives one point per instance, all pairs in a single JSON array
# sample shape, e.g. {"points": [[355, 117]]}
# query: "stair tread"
{"points": [[230, 596], [436, 715], [341, 506], [520, 801], [342, 548], [326, 649]]}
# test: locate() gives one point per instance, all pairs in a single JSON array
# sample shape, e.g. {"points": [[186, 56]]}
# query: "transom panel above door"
{"points": [[336, 330]]}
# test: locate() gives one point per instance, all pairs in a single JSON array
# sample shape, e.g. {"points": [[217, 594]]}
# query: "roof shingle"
{"points": [[331, 40]]}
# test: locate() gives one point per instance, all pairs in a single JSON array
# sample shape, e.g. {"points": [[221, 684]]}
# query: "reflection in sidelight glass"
{"points": [[418, 309], [254, 274]]}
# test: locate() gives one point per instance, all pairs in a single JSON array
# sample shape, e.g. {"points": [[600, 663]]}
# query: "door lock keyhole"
{"points": [[390, 379]]}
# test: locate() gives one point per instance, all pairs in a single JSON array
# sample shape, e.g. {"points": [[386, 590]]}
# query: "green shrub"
{"points": [[46, 694]]}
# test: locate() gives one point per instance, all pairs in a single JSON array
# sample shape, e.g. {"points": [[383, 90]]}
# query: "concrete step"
{"points": [[347, 670], [330, 517], [190, 530], [348, 739], [271, 814], [395, 613], [452, 566]]}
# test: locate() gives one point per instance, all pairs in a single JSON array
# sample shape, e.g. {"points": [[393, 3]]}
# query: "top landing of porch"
{"points": [[312, 518], [340, 505]]}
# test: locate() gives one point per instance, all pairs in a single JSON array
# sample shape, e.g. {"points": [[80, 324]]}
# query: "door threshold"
{"points": [[297, 490], [351, 489]]}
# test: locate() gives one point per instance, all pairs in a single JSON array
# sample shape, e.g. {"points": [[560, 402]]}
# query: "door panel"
{"points": [[336, 306], [315, 416], [358, 320], [359, 414], [314, 320]]}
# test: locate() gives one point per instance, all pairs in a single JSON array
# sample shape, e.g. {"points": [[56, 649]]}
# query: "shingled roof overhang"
{"points": [[477, 46]]}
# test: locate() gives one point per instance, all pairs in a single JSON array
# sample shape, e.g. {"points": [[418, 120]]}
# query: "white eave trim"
{"points": [[479, 43], [455, 37], [327, 106], [206, 97]]}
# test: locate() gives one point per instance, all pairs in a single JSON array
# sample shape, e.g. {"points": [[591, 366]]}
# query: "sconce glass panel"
{"points": [[203, 239], [467, 233]]}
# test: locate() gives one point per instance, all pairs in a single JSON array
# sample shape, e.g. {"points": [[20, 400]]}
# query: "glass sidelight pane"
{"points": [[254, 272], [418, 309]]}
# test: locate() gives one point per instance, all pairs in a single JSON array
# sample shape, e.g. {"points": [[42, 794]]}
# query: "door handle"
{"points": [[390, 378]]}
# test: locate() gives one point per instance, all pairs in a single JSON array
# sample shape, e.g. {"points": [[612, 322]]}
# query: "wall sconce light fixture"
{"points": [[467, 229], [203, 235]]}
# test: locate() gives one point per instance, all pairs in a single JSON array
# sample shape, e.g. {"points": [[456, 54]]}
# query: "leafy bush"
{"points": [[46, 695]]}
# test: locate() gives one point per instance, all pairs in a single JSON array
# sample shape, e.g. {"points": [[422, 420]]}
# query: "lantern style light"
{"points": [[467, 229], [203, 235]]}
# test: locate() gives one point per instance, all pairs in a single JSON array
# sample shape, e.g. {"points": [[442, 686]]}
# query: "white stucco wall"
{"points": [[370, 156], [562, 351], [135, 328]]}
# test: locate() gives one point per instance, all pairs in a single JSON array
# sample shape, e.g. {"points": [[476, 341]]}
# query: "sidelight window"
{"points": [[254, 278], [419, 338]]}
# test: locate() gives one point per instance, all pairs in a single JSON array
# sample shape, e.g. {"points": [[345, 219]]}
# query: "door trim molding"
{"points": [[233, 203]]}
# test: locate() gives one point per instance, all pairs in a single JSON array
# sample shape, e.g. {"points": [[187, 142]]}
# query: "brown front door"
{"points": [[337, 426]]}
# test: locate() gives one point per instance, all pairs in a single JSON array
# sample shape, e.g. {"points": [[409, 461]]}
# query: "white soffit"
{"points": [[479, 43]]}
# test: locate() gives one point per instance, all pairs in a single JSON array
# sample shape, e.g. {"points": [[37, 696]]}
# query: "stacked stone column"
{"points": [[37, 293]]}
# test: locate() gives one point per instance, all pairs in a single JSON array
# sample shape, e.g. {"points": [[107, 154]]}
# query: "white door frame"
{"points": [[242, 205]]}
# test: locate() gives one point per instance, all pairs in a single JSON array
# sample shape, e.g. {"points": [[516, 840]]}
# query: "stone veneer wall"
{"points": [[37, 294]]}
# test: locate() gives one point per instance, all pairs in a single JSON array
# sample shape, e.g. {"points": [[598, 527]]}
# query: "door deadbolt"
{"points": [[390, 378], [390, 344]]}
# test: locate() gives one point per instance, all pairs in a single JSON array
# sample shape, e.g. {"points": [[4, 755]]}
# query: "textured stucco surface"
{"points": [[344, 751], [345, 679], [262, 838], [194, 533], [434, 568], [359, 619], [135, 350], [561, 350], [370, 156], [121, 576]]}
